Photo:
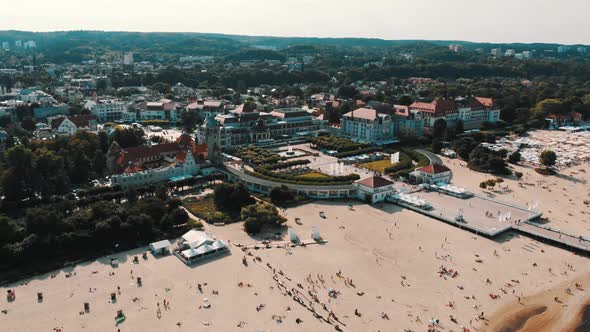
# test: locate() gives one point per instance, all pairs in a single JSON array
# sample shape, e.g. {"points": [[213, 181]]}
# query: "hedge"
{"points": [[286, 164], [405, 166], [357, 152], [282, 178], [336, 143]]}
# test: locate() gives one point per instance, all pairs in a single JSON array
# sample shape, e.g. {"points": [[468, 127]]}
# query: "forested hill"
{"points": [[76, 46]]}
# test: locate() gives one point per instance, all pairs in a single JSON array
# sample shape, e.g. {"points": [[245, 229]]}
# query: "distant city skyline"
{"points": [[499, 21]]}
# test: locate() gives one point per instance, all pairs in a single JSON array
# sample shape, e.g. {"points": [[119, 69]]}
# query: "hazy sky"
{"points": [[562, 21]]}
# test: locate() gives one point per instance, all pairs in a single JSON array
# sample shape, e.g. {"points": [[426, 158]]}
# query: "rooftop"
{"points": [[375, 182], [434, 169]]}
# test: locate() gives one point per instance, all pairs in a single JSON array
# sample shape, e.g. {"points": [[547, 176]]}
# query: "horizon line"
{"points": [[291, 36]]}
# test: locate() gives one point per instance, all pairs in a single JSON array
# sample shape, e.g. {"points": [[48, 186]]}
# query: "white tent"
{"points": [[315, 234], [292, 235], [160, 247]]}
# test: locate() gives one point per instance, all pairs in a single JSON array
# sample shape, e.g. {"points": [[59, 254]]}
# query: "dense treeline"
{"points": [[62, 231], [46, 168]]}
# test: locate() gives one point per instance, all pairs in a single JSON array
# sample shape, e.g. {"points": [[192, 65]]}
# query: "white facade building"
{"points": [[107, 110], [128, 58], [367, 125], [374, 189], [432, 174], [36, 96], [161, 174]]}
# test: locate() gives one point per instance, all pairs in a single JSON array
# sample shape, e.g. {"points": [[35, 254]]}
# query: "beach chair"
{"points": [[40, 297], [120, 318], [86, 307], [10, 295]]}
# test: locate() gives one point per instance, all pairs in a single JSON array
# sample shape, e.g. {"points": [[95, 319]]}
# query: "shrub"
{"points": [[514, 157]]}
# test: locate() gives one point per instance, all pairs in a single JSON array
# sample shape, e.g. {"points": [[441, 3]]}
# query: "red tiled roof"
{"points": [[423, 106], [201, 148], [438, 107], [184, 140], [82, 120], [132, 169], [486, 102], [181, 156], [401, 110], [139, 152], [55, 123], [375, 182], [434, 169]]}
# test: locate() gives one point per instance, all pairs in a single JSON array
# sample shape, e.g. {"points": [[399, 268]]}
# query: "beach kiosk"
{"points": [[160, 247], [196, 245]]}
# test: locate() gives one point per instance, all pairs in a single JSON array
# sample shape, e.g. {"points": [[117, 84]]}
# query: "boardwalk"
{"points": [[556, 237]]}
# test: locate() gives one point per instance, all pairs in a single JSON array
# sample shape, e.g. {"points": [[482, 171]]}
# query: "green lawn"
{"points": [[313, 175], [206, 210], [378, 165]]}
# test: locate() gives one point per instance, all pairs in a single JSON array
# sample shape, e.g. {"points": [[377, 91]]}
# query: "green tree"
{"points": [[439, 128], [436, 145], [514, 157], [18, 178], [28, 124], [162, 192], [260, 214], [189, 120], [347, 91], [548, 158], [5, 120], [8, 230], [131, 195], [280, 195], [129, 137], [231, 197]]}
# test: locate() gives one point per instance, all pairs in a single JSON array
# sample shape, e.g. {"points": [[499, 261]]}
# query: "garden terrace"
{"points": [[326, 180], [403, 167], [286, 164], [335, 143], [256, 156], [357, 152]]}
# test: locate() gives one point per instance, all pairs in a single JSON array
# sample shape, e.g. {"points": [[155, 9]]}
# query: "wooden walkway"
{"points": [[571, 242]]}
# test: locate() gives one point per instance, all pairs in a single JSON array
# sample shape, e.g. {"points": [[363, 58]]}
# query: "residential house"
{"points": [[68, 125]]}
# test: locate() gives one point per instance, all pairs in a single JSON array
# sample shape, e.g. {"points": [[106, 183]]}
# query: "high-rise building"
{"points": [[128, 58], [18, 44], [581, 50], [30, 44], [496, 51], [455, 48], [510, 52], [5, 45], [563, 49]]}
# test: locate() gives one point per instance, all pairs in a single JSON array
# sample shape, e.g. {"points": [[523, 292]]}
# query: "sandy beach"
{"points": [[383, 268]]}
